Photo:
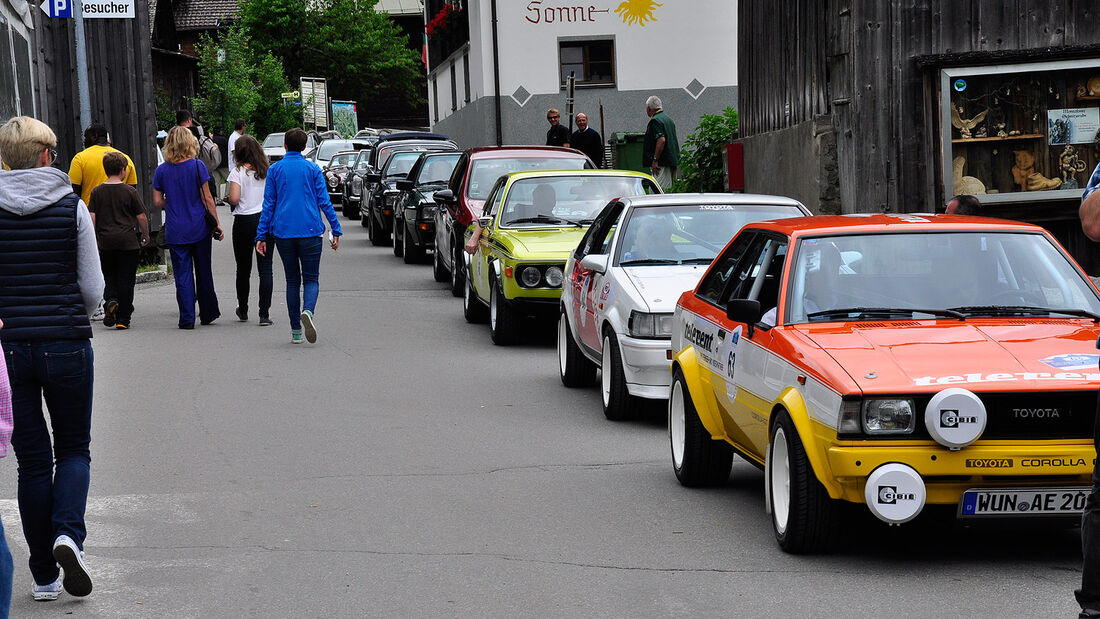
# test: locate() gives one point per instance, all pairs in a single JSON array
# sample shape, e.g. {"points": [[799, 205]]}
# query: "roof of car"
{"points": [[893, 222], [486, 152], [544, 173], [737, 199], [413, 135]]}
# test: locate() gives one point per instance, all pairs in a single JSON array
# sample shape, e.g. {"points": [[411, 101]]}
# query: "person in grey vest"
{"points": [[50, 281]]}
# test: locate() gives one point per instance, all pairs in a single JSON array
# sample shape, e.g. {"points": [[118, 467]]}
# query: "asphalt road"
{"points": [[405, 467]]}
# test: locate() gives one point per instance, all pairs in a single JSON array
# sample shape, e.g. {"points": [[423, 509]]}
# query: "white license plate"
{"points": [[1023, 501]]}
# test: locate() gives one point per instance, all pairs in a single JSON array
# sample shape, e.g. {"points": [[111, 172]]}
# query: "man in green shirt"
{"points": [[660, 148]]}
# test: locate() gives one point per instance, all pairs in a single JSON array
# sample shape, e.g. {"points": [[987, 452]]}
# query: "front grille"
{"points": [[1033, 415]]}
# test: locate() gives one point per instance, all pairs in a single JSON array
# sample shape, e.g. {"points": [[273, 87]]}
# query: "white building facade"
{"points": [[621, 52]]}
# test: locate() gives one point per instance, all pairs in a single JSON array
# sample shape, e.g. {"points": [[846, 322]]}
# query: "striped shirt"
{"points": [[1094, 183]]}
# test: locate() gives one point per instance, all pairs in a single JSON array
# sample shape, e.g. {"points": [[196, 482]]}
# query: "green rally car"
{"points": [[532, 220]]}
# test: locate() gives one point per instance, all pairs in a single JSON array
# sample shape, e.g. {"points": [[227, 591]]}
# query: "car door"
{"points": [[481, 261], [591, 310], [751, 384], [595, 241]]}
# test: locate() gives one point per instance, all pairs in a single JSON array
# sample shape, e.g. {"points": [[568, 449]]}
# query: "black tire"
{"points": [[473, 310], [574, 368], [414, 254], [363, 221], [350, 211], [372, 231], [697, 459], [458, 270], [438, 272], [618, 404], [398, 246], [504, 322], [812, 518]]}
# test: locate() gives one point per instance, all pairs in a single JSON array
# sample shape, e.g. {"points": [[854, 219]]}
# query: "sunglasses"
{"points": [[552, 117]]}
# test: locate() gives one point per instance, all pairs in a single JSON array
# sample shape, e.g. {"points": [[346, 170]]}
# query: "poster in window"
{"points": [[1073, 125]]}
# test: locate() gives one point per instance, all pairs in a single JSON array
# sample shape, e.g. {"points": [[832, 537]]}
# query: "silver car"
{"points": [[623, 280]]}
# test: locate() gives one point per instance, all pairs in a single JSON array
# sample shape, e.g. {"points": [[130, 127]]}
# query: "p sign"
{"points": [[57, 8]]}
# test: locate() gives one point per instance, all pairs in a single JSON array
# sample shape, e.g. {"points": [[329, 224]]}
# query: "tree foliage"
{"points": [[237, 83], [360, 51], [701, 153]]}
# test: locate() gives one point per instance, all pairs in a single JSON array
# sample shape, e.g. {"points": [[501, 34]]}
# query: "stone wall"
{"points": [[799, 162]]}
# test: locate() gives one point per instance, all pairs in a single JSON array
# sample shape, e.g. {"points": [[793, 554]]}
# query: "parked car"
{"points": [[623, 279], [414, 207], [375, 207], [325, 150], [275, 149], [531, 223], [334, 173], [475, 174], [355, 181], [890, 360]]}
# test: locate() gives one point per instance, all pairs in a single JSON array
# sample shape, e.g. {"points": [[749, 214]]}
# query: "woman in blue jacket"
{"points": [[295, 195]]}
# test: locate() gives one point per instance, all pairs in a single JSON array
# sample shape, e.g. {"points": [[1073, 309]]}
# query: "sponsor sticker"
{"points": [[1072, 361], [1001, 377]]}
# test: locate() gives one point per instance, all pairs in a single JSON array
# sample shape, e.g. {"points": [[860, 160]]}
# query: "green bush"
{"points": [[701, 153]]}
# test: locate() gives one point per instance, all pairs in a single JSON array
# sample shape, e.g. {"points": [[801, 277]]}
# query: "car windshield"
{"points": [[400, 164], [391, 150], [274, 140], [341, 160], [330, 147], [437, 169], [363, 161], [485, 172], [968, 274], [562, 200], [690, 233]]}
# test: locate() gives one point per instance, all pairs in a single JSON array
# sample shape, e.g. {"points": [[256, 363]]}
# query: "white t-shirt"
{"points": [[232, 142], [252, 191]]}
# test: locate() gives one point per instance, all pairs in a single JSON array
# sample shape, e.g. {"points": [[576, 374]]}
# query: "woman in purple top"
{"points": [[180, 188]]}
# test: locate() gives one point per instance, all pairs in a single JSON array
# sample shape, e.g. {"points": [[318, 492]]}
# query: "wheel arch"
{"points": [[688, 364], [792, 403]]}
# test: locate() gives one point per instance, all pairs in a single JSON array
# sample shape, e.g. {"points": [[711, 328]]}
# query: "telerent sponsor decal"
{"points": [[1005, 377], [700, 338]]}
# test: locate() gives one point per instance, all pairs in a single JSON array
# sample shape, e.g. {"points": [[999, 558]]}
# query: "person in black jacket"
{"points": [[50, 282], [557, 134], [587, 140]]}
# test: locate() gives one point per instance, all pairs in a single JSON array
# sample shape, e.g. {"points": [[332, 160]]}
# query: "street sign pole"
{"points": [[82, 67], [570, 96]]}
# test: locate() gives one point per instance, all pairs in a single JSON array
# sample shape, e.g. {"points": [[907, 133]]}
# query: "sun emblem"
{"points": [[637, 11]]}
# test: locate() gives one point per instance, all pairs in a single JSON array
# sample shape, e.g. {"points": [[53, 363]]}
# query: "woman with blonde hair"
{"points": [[180, 187], [246, 199]]}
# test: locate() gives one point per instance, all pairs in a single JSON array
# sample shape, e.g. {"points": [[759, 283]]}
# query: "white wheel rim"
{"points": [[677, 424], [563, 333], [605, 372], [780, 480], [466, 297], [493, 308], [454, 271]]}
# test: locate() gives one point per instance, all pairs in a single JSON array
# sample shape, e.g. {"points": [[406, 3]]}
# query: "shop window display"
{"points": [[1020, 133]]}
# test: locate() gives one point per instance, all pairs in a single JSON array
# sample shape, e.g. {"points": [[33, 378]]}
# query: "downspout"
{"points": [[496, 75]]}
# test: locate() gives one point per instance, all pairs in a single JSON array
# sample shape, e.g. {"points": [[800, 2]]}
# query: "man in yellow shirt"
{"points": [[86, 171]]}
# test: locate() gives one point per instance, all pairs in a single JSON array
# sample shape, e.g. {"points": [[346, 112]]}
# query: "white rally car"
{"points": [[623, 280]]}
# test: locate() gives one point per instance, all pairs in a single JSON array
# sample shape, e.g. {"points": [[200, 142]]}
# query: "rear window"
{"points": [[485, 172]]}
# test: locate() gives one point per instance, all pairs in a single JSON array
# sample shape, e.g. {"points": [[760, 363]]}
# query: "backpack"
{"points": [[209, 153]]}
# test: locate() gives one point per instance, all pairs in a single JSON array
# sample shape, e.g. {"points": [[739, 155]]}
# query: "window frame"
{"points": [[583, 43]]}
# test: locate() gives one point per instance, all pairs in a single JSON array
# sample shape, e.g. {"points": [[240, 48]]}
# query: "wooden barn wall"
{"points": [[120, 85], [781, 67]]}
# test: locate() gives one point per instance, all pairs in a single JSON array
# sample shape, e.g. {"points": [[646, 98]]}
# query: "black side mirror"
{"points": [[444, 196], [744, 310], [404, 185], [374, 178]]}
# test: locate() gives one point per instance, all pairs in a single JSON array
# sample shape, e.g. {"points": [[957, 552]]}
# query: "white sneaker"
{"points": [[309, 327], [47, 593], [74, 574], [98, 315]]}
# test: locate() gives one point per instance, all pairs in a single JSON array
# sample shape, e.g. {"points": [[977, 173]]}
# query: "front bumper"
{"points": [[646, 367], [533, 306], [335, 196], [947, 474]]}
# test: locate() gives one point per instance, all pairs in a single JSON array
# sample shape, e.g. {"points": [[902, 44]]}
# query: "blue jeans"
{"points": [[191, 269], [7, 569], [301, 263], [51, 498]]}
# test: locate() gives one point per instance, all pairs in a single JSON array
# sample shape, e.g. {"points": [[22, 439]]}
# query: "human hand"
{"points": [[144, 241], [219, 234], [261, 248], [335, 243]]}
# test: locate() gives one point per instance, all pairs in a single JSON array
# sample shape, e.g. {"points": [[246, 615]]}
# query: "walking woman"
{"points": [[180, 188], [246, 199]]}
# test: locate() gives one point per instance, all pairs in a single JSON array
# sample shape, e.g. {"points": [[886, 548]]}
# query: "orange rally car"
{"points": [[890, 360]]}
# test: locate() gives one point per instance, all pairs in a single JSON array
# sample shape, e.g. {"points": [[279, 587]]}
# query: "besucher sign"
{"points": [[92, 9]]}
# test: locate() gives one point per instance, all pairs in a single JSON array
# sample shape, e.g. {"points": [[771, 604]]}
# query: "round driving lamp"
{"points": [[554, 277], [530, 277]]}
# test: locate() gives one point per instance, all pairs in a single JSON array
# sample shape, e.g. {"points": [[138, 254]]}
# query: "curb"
{"points": [[152, 276]]}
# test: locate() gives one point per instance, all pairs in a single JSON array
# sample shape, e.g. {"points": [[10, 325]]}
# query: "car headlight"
{"points": [[530, 277], [427, 211], [554, 278], [889, 416], [331, 181], [650, 326]]}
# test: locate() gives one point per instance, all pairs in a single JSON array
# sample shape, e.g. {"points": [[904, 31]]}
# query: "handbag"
{"points": [[211, 221]]}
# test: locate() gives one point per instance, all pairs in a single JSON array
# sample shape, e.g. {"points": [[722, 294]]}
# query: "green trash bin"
{"points": [[626, 151]]}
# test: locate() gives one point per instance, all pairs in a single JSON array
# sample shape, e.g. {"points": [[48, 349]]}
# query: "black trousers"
{"points": [[244, 248], [1089, 593], [119, 270]]}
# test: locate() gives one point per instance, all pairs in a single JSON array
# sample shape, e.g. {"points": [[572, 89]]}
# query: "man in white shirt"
{"points": [[238, 131]]}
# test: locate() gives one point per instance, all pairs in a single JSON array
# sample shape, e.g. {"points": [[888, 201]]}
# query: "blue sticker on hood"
{"points": [[1072, 362]]}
